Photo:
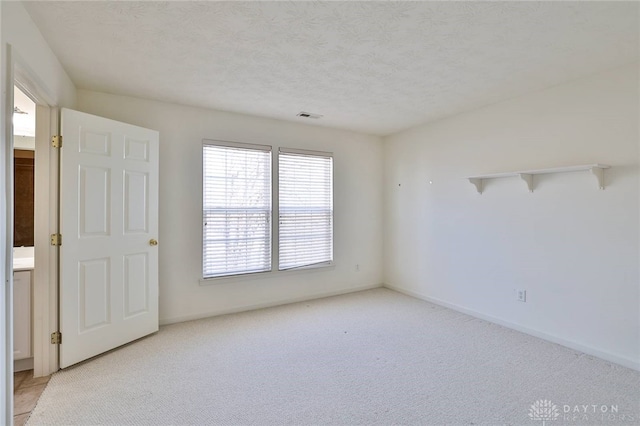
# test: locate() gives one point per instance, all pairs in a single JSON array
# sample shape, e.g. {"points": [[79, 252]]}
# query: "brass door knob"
{"points": [[153, 242]]}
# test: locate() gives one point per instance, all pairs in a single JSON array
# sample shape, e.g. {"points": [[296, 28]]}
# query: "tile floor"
{"points": [[26, 392]]}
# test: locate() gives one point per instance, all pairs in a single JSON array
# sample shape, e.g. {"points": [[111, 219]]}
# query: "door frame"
{"points": [[45, 276], [17, 72], [6, 230]]}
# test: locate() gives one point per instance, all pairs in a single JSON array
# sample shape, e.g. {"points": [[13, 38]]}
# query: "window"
{"points": [[306, 208], [236, 208]]}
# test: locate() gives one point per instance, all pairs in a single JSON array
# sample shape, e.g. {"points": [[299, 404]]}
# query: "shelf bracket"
{"points": [[528, 178], [598, 172], [477, 182]]}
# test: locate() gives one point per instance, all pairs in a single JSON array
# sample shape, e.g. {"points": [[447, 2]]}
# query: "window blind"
{"points": [[306, 208], [236, 209]]}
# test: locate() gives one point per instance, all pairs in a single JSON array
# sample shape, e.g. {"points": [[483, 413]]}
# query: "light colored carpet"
{"points": [[373, 357]]}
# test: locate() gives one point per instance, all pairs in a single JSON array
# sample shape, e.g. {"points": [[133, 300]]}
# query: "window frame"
{"points": [[240, 145], [275, 208], [310, 153]]}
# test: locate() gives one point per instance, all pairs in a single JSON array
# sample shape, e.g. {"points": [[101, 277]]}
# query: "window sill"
{"points": [[265, 275]]}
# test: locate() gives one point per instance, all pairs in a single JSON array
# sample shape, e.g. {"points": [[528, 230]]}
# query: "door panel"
{"points": [[136, 284], [108, 215], [136, 149], [95, 294], [94, 201], [136, 208]]}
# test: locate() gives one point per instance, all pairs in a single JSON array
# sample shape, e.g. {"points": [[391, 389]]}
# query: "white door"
{"points": [[109, 227]]}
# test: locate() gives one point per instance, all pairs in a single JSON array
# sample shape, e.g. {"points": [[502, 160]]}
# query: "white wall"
{"points": [[573, 247], [32, 51], [24, 142], [357, 204]]}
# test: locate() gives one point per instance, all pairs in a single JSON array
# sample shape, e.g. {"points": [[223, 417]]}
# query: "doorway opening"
{"points": [[24, 146], [27, 389]]}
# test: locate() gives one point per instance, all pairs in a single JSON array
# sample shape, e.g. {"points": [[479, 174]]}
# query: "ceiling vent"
{"points": [[308, 115]]}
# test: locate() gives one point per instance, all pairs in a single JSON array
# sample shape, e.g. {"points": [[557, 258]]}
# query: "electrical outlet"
{"points": [[357, 267], [521, 295]]}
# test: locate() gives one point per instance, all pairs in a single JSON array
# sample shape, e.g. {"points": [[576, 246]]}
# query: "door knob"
{"points": [[153, 242]]}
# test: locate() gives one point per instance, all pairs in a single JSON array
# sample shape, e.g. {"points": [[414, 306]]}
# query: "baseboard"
{"points": [[625, 362], [22, 364], [287, 301]]}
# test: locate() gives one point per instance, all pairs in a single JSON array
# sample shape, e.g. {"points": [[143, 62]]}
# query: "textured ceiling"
{"points": [[374, 67]]}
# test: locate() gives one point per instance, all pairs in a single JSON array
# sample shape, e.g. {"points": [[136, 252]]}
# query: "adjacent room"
{"points": [[320, 213]]}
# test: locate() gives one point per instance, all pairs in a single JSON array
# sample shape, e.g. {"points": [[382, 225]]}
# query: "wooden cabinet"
{"points": [[23, 182], [22, 315]]}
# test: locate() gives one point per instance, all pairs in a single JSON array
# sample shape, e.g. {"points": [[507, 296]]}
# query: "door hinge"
{"points": [[56, 338], [56, 239], [56, 141]]}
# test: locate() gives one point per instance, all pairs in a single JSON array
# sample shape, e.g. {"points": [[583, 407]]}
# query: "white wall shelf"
{"points": [[527, 175]]}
